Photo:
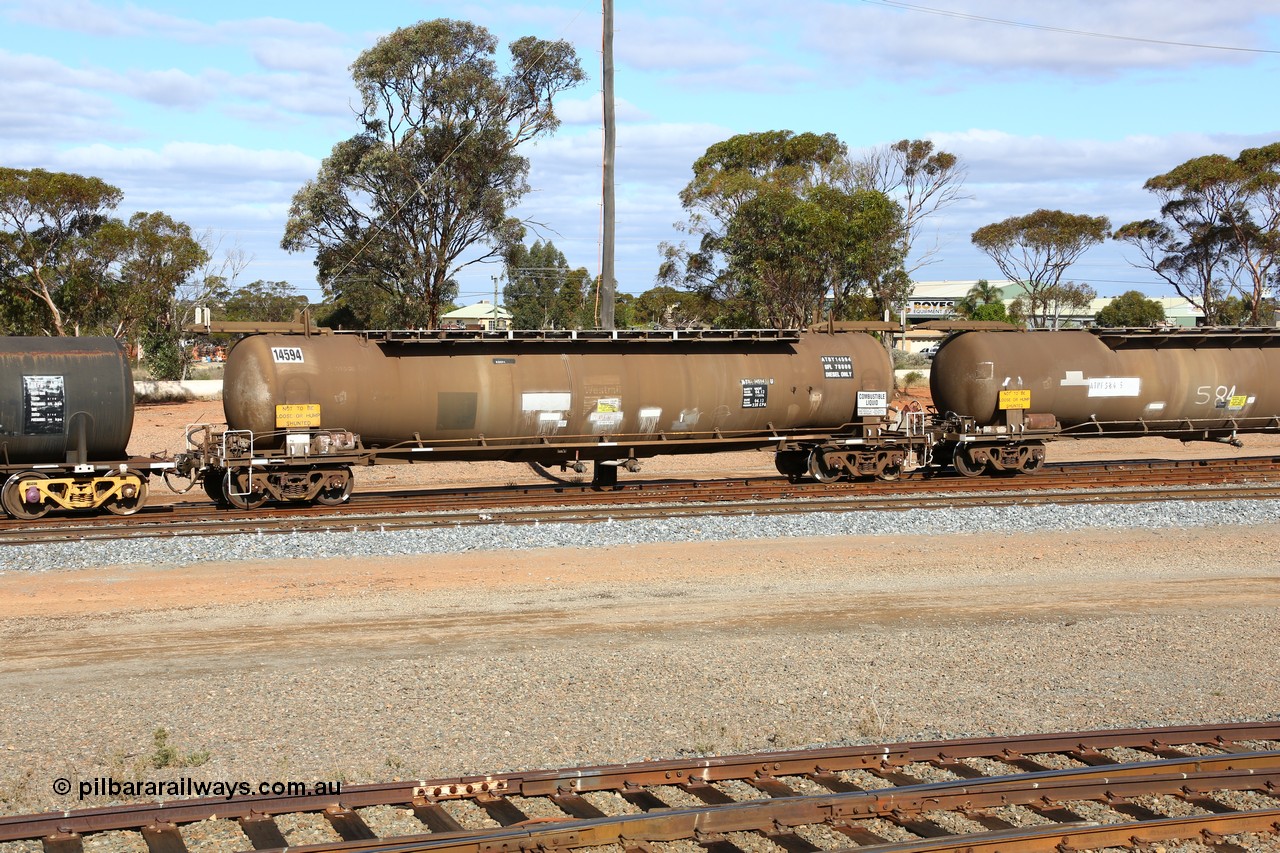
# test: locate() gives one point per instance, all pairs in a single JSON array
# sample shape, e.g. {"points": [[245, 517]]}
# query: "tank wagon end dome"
{"points": [[59, 393]]}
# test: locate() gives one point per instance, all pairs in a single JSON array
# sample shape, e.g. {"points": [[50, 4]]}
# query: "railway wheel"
{"points": [[131, 498], [1033, 461], [333, 495], [889, 471], [231, 485], [819, 470], [965, 463], [15, 500]]}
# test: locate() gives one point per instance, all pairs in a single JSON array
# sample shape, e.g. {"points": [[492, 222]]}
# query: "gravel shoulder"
{"points": [[434, 665]]}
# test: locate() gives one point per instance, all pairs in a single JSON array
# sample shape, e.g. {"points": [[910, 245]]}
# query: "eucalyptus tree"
{"points": [[1037, 249], [924, 181], [50, 220], [424, 188], [1218, 231], [776, 231]]}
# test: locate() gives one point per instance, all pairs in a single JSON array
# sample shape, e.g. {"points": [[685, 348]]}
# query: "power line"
{"points": [[947, 13]]}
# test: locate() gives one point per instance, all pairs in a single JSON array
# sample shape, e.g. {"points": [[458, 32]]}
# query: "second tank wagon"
{"points": [[1179, 383]]}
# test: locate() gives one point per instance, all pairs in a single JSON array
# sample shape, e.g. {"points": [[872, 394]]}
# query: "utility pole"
{"points": [[608, 284]]}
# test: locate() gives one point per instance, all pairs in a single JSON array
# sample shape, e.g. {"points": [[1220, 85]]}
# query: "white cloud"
{"points": [[129, 20], [43, 100], [168, 88], [298, 54], [84, 16], [998, 157], [190, 164], [871, 36], [590, 110]]}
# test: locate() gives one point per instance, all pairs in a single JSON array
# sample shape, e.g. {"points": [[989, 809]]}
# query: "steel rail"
{"points": [[905, 806], [1235, 743], [1059, 475], [1211, 829], [1047, 793], [399, 517], [419, 508]]}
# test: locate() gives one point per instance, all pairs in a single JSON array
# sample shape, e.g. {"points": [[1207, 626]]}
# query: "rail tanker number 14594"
{"points": [[287, 355]]}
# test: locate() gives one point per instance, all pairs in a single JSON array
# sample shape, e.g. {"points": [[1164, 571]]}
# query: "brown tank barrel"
{"points": [[1203, 379], [553, 392], [64, 400]]}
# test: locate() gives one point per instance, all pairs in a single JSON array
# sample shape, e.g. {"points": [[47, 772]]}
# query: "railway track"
{"points": [[1114, 482], [1216, 786]]}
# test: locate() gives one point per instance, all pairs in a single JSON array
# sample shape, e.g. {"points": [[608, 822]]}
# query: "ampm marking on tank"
{"points": [[608, 415], [873, 403], [1104, 386], [837, 366], [297, 415], [44, 403], [287, 355], [1015, 398], [755, 393]]}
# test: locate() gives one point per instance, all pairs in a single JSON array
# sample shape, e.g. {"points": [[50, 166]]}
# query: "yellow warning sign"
{"points": [[1238, 401], [297, 415], [1019, 398]]}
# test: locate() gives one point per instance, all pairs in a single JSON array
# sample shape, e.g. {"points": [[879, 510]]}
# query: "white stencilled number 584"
{"points": [[287, 355], [1207, 394]]}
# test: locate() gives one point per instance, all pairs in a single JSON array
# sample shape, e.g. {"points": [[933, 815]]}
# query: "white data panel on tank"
{"points": [[1115, 386], [546, 401]]}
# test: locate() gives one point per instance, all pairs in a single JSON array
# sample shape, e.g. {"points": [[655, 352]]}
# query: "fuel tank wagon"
{"points": [[1181, 383], [66, 412], [64, 400], [542, 400]]}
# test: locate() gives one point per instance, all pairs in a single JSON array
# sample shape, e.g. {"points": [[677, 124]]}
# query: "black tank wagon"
{"points": [[66, 412]]}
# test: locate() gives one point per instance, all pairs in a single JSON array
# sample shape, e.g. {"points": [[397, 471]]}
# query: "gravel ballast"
{"points": [[709, 528]]}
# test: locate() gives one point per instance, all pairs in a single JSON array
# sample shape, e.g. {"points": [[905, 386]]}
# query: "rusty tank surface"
{"points": [[64, 399], [1185, 383], [525, 400]]}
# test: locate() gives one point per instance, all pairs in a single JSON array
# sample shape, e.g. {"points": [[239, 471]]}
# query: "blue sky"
{"points": [[217, 113]]}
